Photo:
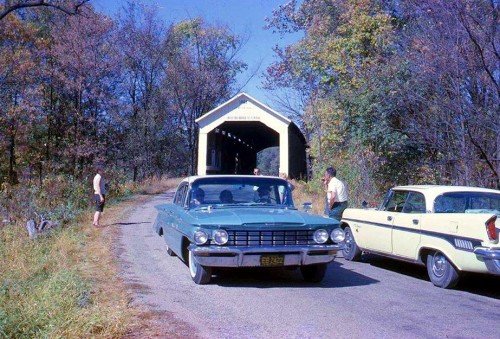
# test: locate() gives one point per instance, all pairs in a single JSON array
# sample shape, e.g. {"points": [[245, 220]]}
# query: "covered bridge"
{"points": [[231, 135]]}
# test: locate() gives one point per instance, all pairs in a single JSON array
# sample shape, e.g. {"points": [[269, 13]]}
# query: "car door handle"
{"points": [[389, 218], [415, 221]]}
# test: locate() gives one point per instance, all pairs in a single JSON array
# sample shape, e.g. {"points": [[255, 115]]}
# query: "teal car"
{"points": [[245, 221]]}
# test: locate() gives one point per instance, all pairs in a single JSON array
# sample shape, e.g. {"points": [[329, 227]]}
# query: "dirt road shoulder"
{"points": [[125, 222]]}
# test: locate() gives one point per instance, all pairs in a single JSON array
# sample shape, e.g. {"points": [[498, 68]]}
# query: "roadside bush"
{"points": [[59, 198], [354, 168], [309, 192]]}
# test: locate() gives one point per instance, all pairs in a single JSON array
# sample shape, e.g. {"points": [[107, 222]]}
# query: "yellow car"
{"points": [[449, 229]]}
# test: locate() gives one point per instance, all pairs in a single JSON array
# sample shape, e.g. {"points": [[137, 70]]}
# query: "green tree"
{"points": [[343, 65], [201, 73]]}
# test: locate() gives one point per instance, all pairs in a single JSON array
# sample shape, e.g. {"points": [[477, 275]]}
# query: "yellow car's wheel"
{"points": [[441, 272], [351, 250]]}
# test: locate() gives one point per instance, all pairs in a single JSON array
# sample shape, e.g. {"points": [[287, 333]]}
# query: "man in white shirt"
{"points": [[99, 195], [336, 194]]}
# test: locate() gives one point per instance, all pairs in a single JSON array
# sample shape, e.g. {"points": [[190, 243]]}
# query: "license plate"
{"points": [[272, 260]]}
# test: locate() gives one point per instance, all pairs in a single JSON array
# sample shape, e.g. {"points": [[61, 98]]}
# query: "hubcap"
{"points": [[348, 242], [439, 265]]}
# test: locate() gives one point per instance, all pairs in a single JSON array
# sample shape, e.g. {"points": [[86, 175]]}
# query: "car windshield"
{"points": [[467, 202], [220, 192]]}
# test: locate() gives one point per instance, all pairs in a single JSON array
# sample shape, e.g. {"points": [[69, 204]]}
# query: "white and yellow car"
{"points": [[450, 229]]}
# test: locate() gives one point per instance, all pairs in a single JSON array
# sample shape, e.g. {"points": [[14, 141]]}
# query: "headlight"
{"points": [[338, 235], [200, 237], [320, 236], [220, 237]]}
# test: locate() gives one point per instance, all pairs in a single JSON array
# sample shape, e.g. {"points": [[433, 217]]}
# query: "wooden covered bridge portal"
{"points": [[232, 134]]}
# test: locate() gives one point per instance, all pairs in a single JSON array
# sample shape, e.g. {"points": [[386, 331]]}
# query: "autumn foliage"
{"points": [[76, 90], [400, 92]]}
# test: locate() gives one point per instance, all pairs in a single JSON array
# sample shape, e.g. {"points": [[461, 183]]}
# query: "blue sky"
{"points": [[244, 17]]}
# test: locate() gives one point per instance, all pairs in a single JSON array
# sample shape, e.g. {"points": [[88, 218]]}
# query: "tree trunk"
{"points": [[13, 179]]}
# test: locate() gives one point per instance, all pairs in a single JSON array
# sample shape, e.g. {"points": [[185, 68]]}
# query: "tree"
{"points": [[150, 126], [82, 67], [68, 7], [414, 83], [340, 66], [200, 74], [454, 93], [19, 88]]}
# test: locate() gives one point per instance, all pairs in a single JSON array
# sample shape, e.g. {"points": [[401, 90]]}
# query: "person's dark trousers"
{"points": [[337, 210]]}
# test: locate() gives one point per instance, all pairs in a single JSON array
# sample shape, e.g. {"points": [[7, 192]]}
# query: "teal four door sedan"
{"points": [[245, 221]]}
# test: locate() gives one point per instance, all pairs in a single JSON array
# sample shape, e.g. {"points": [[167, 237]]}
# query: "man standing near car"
{"points": [[336, 194]]}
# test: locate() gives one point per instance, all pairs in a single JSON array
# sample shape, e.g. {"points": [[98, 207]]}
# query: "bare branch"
{"points": [[11, 6], [479, 50]]}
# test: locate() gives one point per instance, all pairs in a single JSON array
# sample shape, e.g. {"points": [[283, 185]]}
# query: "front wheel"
{"points": [[441, 272], [313, 273], [200, 274], [351, 250]]}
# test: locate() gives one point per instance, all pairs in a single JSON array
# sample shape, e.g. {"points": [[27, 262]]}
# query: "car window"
{"points": [[397, 201], [384, 203], [415, 203], [240, 191], [180, 195], [467, 202]]}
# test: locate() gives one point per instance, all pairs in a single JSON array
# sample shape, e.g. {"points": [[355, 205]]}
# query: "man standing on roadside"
{"points": [[99, 194], [336, 194]]}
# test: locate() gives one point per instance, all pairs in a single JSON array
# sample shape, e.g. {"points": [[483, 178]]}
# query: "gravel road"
{"points": [[377, 298]]}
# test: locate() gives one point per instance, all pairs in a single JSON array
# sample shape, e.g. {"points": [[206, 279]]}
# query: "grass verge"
{"points": [[66, 284]]}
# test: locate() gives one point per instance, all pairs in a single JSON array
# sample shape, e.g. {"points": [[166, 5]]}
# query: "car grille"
{"points": [[270, 238]]}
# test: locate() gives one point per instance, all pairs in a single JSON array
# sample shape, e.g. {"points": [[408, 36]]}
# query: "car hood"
{"points": [[257, 216]]}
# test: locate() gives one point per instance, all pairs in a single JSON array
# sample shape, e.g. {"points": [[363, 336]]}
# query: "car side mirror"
{"points": [[307, 206], [364, 204]]}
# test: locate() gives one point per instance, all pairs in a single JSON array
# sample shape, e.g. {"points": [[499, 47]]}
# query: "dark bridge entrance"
{"points": [[233, 146], [232, 134]]}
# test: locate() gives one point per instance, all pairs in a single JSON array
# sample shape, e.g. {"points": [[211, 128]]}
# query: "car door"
{"points": [[173, 235], [376, 235], [406, 228]]}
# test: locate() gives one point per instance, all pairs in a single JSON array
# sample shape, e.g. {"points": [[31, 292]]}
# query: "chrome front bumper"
{"points": [[491, 258], [216, 256]]}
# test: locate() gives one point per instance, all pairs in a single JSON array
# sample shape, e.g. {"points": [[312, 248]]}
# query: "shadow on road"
{"points": [[336, 277], [481, 284], [129, 223], [409, 269]]}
